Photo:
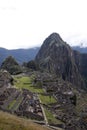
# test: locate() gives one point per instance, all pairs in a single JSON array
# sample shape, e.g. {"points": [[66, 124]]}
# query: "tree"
{"points": [[11, 65], [32, 65]]}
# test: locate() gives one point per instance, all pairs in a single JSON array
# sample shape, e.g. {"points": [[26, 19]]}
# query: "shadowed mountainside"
{"points": [[56, 56]]}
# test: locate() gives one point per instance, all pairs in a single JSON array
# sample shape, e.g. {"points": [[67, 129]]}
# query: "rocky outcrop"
{"points": [[5, 77], [56, 56]]}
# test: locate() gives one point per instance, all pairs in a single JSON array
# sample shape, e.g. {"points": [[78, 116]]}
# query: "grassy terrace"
{"points": [[51, 118], [47, 99], [11, 104], [26, 82]]}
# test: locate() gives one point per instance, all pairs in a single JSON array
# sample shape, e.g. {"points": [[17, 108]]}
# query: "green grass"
{"points": [[50, 117], [20, 82], [11, 104], [18, 103], [47, 99], [26, 82]]}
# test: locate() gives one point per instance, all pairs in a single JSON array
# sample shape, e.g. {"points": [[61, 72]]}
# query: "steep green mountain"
{"points": [[11, 65], [21, 55], [56, 56]]}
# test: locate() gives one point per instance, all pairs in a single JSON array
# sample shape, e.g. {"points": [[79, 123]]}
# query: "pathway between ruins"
{"points": [[45, 118]]}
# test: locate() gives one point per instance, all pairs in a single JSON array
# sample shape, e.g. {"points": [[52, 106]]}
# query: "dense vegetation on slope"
{"points": [[32, 65], [11, 65]]}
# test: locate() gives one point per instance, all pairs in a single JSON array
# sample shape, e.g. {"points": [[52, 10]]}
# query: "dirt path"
{"points": [[45, 118]]}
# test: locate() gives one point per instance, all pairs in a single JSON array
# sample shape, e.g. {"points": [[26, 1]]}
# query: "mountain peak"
{"points": [[55, 56], [55, 36], [54, 39]]}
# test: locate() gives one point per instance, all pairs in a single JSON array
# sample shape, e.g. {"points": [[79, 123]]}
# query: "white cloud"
{"points": [[26, 23]]}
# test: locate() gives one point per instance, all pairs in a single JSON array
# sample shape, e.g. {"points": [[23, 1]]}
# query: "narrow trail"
{"points": [[45, 118]]}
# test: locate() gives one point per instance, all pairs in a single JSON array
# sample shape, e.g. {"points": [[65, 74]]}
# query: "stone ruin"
{"points": [[30, 106], [64, 109], [19, 102]]}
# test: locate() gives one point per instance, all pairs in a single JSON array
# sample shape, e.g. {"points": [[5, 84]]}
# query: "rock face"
{"points": [[5, 76], [56, 56], [81, 62]]}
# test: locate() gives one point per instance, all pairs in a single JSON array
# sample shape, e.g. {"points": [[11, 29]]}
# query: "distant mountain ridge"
{"points": [[25, 55], [80, 49], [21, 55]]}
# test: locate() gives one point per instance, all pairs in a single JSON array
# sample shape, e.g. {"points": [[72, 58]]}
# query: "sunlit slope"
{"points": [[11, 122]]}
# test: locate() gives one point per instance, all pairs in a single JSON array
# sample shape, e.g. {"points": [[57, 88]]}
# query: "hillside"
{"points": [[11, 65], [81, 62], [11, 122], [51, 91], [21, 55], [56, 56], [61, 103], [67, 85]]}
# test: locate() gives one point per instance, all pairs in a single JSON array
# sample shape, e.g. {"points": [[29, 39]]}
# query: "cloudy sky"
{"points": [[26, 23]]}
